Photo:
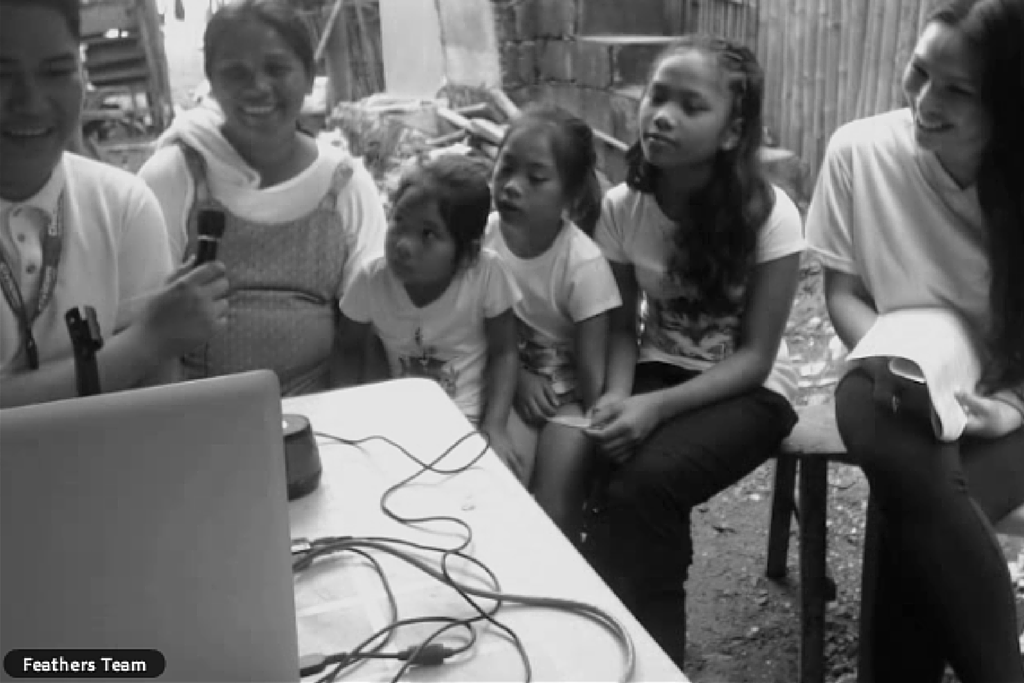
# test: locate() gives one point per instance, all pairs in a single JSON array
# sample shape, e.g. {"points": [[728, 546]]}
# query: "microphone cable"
{"points": [[428, 652]]}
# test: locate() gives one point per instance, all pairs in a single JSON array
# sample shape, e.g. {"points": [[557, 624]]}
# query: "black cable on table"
{"points": [[428, 653]]}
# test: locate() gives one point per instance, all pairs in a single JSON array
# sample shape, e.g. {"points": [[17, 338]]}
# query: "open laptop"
{"points": [[152, 519]]}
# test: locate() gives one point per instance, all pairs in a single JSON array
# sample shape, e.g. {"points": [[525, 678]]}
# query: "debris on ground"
{"points": [[386, 132]]}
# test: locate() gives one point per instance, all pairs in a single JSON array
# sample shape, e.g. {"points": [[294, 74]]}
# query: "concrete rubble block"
{"points": [[592, 64], [541, 93], [526, 19], [604, 17], [596, 109], [504, 21], [630, 56], [526, 94], [556, 18], [566, 96], [509, 58], [555, 59], [527, 62], [624, 104]]}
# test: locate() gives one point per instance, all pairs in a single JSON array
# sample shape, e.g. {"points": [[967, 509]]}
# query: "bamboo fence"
{"points": [[828, 62], [733, 19]]}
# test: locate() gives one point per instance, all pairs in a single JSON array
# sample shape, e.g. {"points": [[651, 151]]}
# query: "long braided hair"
{"points": [[716, 252]]}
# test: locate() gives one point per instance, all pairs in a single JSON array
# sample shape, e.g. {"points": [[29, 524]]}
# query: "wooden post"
{"points": [[781, 516], [905, 39], [887, 71], [753, 13], [813, 579], [336, 59], [770, 54], [818, 31], [790, 134], [836, 66], [161, 104]]}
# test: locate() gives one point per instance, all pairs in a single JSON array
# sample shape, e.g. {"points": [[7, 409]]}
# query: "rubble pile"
{"points": [[386, 132]]}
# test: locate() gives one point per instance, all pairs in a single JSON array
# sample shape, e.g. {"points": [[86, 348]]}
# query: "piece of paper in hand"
{"points": [[571, 421], [936, 345]]}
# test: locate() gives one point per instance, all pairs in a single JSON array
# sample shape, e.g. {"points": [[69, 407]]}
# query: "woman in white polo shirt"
{"points": [[921, 207], [76, 232]]}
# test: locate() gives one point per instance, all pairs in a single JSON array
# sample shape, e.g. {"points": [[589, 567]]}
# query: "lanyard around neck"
{"points": [[53, 244]]}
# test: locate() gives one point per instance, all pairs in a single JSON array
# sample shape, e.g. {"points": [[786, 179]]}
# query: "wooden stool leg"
{"points": [[868, 582], [813, 506], [782, 515]]}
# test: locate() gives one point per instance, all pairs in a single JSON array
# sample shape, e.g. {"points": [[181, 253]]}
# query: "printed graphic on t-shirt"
{"points": [[426, 364], [679, 324], [544, 357]]}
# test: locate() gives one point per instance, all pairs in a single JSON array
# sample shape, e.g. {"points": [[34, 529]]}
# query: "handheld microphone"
{"points": [[86, 340], [211, 229]]}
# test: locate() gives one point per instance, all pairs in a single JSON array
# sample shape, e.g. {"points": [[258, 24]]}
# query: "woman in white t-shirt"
{"points": [[704, 398], [441, 305], [300, 216], [543, 175], [924, 207]]}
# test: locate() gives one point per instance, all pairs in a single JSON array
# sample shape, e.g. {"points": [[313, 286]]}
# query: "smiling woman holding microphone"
{"points": [[298, 216]]}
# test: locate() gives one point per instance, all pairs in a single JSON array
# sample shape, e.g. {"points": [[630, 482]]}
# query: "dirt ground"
{"points": [[742, 626]]}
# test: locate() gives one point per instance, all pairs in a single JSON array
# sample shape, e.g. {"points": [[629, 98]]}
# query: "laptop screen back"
{"points": [[152, 519]]}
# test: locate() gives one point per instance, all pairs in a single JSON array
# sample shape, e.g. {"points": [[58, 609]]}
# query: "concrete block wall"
{"points": [[566, 52], [535, 38], [592, 57]]}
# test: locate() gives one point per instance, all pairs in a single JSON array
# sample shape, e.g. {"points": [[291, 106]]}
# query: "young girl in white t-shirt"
{"points": [[439, 304], [703, 396], [544, 173]]}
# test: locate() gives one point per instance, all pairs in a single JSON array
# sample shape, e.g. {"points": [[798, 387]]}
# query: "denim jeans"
{"points": [[645, 550], [943, 592]]}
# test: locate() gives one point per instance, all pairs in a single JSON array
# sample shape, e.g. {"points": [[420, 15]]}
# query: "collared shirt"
{"points": [[22, 226], [115, 253]]}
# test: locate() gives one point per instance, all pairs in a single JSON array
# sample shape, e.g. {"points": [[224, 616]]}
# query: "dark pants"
{"points": [[943, 591], [646, 550]]}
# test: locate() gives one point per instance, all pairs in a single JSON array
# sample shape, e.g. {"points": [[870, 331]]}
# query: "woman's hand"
{"points": [[191, 308], [535, 399], [620, 424], [987, 417], [501, 444]]}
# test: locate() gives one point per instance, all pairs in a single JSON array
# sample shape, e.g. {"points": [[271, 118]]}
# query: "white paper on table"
{"points": [[937, 344]]}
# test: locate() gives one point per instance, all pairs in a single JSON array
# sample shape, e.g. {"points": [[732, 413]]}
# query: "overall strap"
{"points": [[203, 198], [339, 180]]}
